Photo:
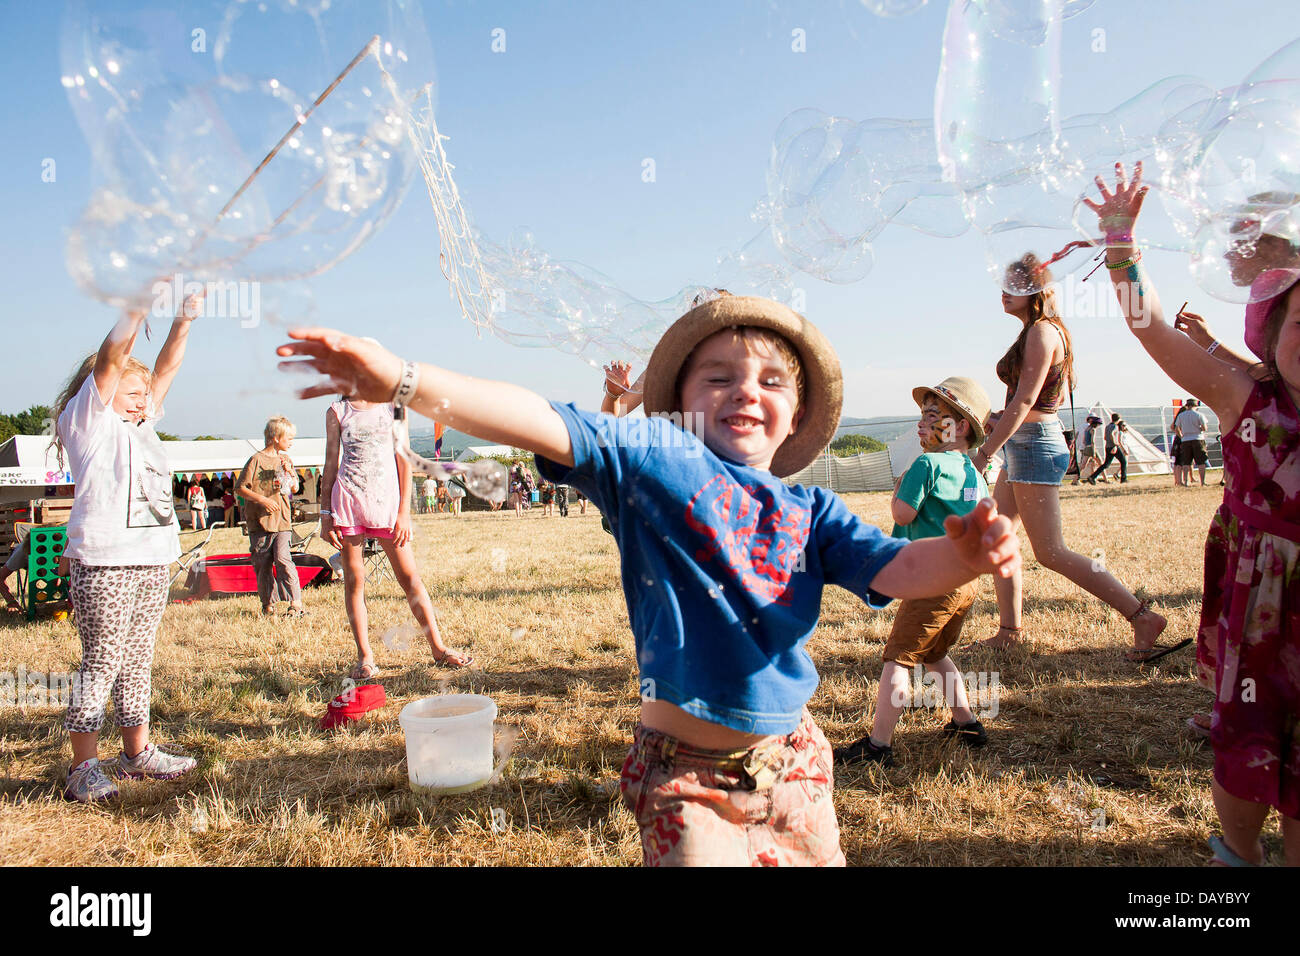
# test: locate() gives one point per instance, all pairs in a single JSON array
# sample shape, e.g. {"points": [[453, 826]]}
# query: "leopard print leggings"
{"points": [[117, 615]]}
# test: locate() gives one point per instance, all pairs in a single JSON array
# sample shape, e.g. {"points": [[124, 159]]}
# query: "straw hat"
{"points": [[823, 386], [964, 394]]}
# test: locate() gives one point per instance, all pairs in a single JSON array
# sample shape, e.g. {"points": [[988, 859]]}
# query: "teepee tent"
{"points": [[1144, 458]]}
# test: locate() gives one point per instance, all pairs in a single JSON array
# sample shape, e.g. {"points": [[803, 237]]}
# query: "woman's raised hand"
{"points": [[1118, 210], [351, 366], [1195, 327]]}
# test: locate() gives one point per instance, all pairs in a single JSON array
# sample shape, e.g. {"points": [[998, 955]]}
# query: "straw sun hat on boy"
{"points": [[964, 394], [823, 386]]}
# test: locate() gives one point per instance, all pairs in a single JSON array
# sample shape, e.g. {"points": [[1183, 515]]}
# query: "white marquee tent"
{"points": [[29, 463], [1144, 458], [485, 451]]}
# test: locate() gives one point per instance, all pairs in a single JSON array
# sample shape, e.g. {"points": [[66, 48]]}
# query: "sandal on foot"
{"points": [[454, 659], [996, 642], [1223, 855], [365, 670], [1147, 655], [1153, 651], [1201, 731]]}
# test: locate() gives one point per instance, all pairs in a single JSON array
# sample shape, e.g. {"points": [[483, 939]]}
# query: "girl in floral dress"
{"points": [[1249, 639]]}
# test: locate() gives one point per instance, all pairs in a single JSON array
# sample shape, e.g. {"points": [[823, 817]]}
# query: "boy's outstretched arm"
{"points": [[497, 411], [982, 542]]}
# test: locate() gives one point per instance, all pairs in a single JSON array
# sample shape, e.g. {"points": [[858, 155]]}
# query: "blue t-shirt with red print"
{"points": [[723, 566]]}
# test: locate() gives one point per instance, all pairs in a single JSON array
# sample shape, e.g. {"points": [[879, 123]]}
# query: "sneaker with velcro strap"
{"points": [[154, 764]]}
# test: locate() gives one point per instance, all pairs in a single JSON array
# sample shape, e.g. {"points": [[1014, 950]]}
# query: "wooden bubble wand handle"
{"points": [[368, 49]]}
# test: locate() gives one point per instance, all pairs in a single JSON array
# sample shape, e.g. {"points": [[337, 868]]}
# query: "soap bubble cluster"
{"points": [[180, 105], [520, 293], [1025, 21], [998, 156], [485, 478], [833, 184], [893, 8], [1242, 186]]}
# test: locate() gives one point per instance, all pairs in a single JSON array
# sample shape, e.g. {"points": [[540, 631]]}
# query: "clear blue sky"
{"points": [[550, 136]]}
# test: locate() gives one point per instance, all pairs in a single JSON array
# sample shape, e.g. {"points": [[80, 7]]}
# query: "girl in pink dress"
{"points": [[1248, 644], [368, 488]]}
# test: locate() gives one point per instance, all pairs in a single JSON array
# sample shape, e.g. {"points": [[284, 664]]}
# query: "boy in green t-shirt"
{"points": [[941, 482]]}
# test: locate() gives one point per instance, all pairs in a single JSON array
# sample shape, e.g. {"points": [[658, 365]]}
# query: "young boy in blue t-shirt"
{"points": [[723, 565], [941, 483]]}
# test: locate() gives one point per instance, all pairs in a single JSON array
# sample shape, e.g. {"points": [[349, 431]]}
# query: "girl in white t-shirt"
{"points": [[122, 535]]}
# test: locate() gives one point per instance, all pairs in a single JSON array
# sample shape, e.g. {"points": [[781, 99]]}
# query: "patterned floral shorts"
{"points": [[767, 806]]}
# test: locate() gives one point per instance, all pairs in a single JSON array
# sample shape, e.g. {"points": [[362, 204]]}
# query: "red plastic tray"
{"points": [[234, 574]]}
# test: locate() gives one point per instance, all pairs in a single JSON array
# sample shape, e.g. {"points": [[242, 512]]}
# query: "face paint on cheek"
{"points": [[947, 429], [938, 427]]}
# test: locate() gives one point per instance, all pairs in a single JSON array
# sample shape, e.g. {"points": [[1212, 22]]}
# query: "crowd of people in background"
{"points": [[209, 499]]}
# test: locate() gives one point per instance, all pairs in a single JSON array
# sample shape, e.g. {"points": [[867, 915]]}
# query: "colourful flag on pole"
{"points": [[438, 429]]}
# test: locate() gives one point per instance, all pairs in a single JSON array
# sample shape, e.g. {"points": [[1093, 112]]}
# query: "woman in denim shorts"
{"points": [[1037, 370]]}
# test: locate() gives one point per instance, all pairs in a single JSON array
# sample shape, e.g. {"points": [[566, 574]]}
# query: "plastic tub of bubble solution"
{"points": [[449, 742]]}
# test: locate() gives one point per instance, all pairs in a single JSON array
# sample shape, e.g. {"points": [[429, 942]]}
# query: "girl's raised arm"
{"points": [[496, 411], [1223, 388], [173, 350], [114, 351]]}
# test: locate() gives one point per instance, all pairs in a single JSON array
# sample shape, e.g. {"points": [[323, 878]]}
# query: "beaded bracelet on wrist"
{"points": [[1132, 260]]}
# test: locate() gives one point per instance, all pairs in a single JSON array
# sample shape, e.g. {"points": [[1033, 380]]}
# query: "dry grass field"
{"points": [[1087, 763]]}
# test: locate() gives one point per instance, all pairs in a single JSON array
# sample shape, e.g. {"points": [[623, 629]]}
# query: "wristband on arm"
{"points": [[406, 384]]}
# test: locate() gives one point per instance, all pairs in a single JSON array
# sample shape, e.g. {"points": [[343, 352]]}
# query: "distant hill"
{"points": [[885, 428], [453, 442]]}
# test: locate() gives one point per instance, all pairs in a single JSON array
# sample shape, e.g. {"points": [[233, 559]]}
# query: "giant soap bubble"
{"points": [[998, 130], [525, 296], [1028, 22], [833, 184], [893, 8], [1243, 185], [263, 140]]}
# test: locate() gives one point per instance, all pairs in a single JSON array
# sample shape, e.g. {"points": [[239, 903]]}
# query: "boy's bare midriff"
{"points": [[672, 720]]}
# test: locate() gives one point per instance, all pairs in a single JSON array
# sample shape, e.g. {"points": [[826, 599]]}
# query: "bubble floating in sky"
{"points": [[1243, 185], [833, 184], [520, 293], [893, 8], [180, 107], [1027, 22], [996, 155]]}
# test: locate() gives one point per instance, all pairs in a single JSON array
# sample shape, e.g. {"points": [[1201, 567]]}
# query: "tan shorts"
{"points": [[925, 628]]}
